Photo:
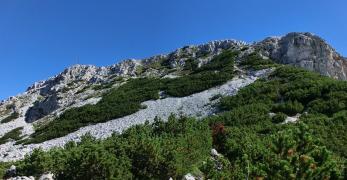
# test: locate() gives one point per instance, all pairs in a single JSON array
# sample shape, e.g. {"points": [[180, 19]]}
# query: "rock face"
{"points": [[305, 50], [41, 109]]}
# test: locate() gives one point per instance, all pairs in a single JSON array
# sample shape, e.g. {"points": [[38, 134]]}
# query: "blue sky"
{"points": [[39, 38]]}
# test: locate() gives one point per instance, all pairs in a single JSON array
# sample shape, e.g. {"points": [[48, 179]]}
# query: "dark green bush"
{"points": [[215, 97], [191, 64], [290, 108], [223, 62], [279, 118], [296, 154], [194, 83], [246, 115], [14, 134], [255, 61], [10, 118], [331, 130]]}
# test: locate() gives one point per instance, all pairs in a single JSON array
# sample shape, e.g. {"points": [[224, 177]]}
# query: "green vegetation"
{"points": [[127, 98], [292, 90], [11, 117], [255, 61], [172, 149], [245, 131], [215, 97], [3, 167], [292, 153], [223, 63], [157, 151], [191, 64], [290, 107], [279, 118], [14, 134], [331, 130]]}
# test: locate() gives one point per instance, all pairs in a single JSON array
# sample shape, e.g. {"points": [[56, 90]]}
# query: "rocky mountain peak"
{"points": [[300, 49], [70, 74], [305, 50]]}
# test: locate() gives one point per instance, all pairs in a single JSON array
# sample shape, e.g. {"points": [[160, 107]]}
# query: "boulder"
{"points": [[188, 177], [47, 176], [11, 172]]}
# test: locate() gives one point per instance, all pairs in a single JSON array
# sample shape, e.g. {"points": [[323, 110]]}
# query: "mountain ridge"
{"points": [[198, 112], [81, 85], [126, 66]]}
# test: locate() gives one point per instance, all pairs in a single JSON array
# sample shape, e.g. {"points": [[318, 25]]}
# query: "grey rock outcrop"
{"points": [[307, 51], [203, 53], [41, 109], [47, 176], [11, 172], [189, 177]]}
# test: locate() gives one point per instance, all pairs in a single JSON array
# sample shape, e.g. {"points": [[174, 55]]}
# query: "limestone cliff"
{"points": [[305, 50]]}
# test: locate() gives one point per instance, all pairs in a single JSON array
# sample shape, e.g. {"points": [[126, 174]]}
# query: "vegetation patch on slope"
{"points": [[10, 118], [14, 134], [256, 62]]}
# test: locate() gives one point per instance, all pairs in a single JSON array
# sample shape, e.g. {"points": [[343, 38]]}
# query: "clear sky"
{"points": [[39, 38]]}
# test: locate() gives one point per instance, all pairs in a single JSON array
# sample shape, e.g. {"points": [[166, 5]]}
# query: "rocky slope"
{"points": [[84, 84]]}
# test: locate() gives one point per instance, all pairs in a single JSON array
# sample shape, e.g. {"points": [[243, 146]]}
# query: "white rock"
{"points": [[292, 119], [47, 176], [271, 114], [215, 153], [22, 178], [188, 177]]}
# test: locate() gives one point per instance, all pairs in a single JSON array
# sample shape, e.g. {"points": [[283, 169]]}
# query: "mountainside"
{"points": [[232, 88]]}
